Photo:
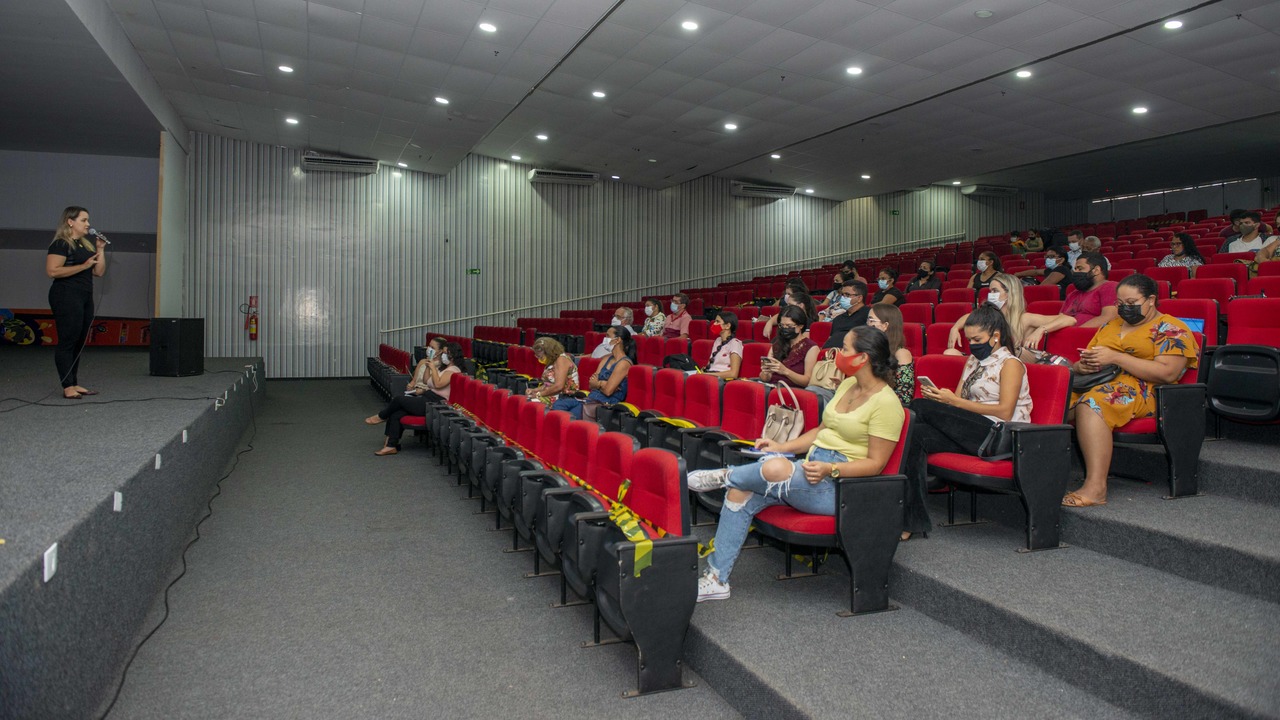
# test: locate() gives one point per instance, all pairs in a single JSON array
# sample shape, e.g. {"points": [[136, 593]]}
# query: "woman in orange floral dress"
{"points": [[1151, 349]]}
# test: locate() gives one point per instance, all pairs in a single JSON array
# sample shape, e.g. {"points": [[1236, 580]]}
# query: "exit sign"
{"points": [[473, 271], [894, 212]]}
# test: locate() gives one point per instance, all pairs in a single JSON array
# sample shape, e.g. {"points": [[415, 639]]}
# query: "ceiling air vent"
{"points": [[564, 177], [315, 162], [989, 190], [741, 189]]}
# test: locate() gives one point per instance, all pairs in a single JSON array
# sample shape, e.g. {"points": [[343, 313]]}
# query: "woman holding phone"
{"points": [[797, 352], [859, 430]]}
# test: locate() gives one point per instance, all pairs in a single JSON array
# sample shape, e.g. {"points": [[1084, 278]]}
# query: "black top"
{"points": [[882, 294], [1064, 280], [932, 283], [844, 323], [980, 284], [75, 255]]}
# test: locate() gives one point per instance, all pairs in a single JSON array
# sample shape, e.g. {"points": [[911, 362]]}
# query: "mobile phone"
{"points": [[924, 380]]}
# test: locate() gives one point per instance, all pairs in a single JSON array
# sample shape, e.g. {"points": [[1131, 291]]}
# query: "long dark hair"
{"points": [[993, 261], [875, 344], [782, 348], [628, 342], [1188, 247], [988, 318]]}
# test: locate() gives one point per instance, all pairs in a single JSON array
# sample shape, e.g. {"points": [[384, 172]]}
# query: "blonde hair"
{"points": [[549, 348], [63, 232], [1015, 305]]}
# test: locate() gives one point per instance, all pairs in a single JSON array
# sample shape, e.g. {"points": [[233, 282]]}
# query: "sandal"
{"points": [[1074, 499], [73, 396], [388, 450], [88, 392], [907, 535], [373, 420]]}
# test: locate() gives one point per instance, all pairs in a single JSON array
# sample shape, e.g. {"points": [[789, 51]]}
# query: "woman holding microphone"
{"points": [[73, 262]]}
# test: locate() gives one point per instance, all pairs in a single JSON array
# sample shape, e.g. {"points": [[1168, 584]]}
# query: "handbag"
{"points": [[825, 373], [680, 362], [998, 444], [1085, 383], [783, 423], [1046, 358]]}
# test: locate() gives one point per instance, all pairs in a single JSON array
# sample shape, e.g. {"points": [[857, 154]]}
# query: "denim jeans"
{"points": [[815, 498]]}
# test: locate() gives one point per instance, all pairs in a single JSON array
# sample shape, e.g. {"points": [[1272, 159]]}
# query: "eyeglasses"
{"points": [[1122, 303]]}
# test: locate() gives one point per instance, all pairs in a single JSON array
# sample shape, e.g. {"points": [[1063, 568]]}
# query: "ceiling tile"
{"points": [[551, 38], [645, 16], [384, 34], [279, 41], [438, 46], [401, 12], [829, 17], [1030, 23], [333, 23], [777, 14], [876, 28], [734, 34], [233, 29], [776, 47], [285, 13], [178, 18]]}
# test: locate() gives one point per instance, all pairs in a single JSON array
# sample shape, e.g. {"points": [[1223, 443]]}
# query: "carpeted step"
{"points": [[778, 649], [1142, 639], [1221, 541], [1235, 468]]}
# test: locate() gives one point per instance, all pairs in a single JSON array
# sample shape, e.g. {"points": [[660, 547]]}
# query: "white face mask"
{"points": [[884, 284], [648, 311], [431, 353], [606, 345], [616, 321], [1073, 246], [675, 307], [993, 297], [982, 266], [444, 358]]}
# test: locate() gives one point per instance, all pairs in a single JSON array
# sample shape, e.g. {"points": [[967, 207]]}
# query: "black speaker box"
{"points": [[177, 346]]}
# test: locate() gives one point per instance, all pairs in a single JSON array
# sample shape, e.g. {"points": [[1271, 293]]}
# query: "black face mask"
{"points": [[1082, 280], [922, 273], [1131, 314], [981, 352], [788, 333]]}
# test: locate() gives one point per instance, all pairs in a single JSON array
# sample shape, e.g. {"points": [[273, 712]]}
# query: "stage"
{"points": [[117, 481]]}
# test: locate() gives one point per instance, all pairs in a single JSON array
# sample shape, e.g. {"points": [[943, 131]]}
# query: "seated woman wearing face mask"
{"points": [[1056, 271], [1026, 330], [925, 278], [887, 292], [796, 294], [654, 320], [726, 353], [622, 323], [608, 386], [993, 388], [429, 384]]}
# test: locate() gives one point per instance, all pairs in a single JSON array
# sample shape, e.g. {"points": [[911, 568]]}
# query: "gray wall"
{"points": [[120, 193], [338, 260]]}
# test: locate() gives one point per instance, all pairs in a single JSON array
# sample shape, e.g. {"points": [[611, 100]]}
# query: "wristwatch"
{"points": [[835, 470]]}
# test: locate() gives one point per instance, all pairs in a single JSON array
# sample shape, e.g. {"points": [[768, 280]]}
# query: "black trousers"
{"points": [[938, 428], [72, 315], [401, 406]]}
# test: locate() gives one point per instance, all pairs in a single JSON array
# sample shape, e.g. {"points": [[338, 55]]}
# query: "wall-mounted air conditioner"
{"points": [[315, 162], [989, 190], [742, 189], [564, 177]]}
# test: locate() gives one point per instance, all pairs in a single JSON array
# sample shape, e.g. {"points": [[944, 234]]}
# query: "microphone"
{"points": [[94, 232]]}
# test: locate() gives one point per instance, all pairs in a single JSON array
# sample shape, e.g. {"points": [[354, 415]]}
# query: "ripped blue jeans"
{"points": [[814, 498]]}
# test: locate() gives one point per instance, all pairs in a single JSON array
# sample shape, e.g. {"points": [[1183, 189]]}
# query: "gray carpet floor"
{"points": [[331, 583], [63, 457]]}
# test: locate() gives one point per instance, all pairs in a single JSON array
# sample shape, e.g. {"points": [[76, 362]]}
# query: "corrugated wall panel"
{"points": [[339, 262]]}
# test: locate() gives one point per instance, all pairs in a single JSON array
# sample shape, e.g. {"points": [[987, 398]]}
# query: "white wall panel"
{"points": [[340, 262]]}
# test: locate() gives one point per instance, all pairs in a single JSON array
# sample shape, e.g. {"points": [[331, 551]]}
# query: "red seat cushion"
{"points": [[788, 518], [413, 421], [1139, 426], [972, 465]]}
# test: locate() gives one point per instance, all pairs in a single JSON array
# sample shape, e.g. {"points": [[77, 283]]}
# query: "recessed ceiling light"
{"points": [[866, 177], [617, 177], [1139, 110], [955, 182], [488, 27], [653, 160], [597, 93], [515, 157], [1023, 73], [984, 14], [853, 70], [730, 126], [403, 165], [1173, 25], [291, 121], [776, 156], [286, 69], [396, 173], [541, 137], [689, 25], [809, 190], [442, 101]]}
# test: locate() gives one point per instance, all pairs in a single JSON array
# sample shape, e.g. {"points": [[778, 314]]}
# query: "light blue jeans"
{"points": [[814, 498]]}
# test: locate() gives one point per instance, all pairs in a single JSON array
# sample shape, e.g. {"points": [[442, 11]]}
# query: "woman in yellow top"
{"points": [[1151, 349], [859, 430], [560, 377]]}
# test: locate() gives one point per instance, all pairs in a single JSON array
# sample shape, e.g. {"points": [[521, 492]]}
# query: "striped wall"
{"points": [[341, 262], [1270, 194]]}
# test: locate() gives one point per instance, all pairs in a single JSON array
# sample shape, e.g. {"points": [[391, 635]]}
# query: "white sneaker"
{"points": [[710, 588], [708, 480]]}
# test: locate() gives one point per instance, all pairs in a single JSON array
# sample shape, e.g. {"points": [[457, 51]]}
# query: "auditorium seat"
{"points": [[639, 395], [752, 352], [1045, 307], [650, 350], [1238, 273], [1204, 310], [1230, 258], [958, 294], [820, 332], [864, 530], [949, 312], [922, 296], [1034, 293], [565, 476], [1173, 275], [1040, 467], [913, 338], [916, 313], [1268, 286], [936, 340]]}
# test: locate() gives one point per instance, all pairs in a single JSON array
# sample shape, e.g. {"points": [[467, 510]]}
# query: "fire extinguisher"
{"points": [[251, 317], [253, 325]]}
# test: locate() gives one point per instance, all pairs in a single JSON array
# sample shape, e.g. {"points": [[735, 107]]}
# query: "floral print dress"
{"points": [[1127, 398]]}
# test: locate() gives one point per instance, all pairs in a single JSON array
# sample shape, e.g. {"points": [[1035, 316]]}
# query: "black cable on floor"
{"points": [[208, 512]]}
